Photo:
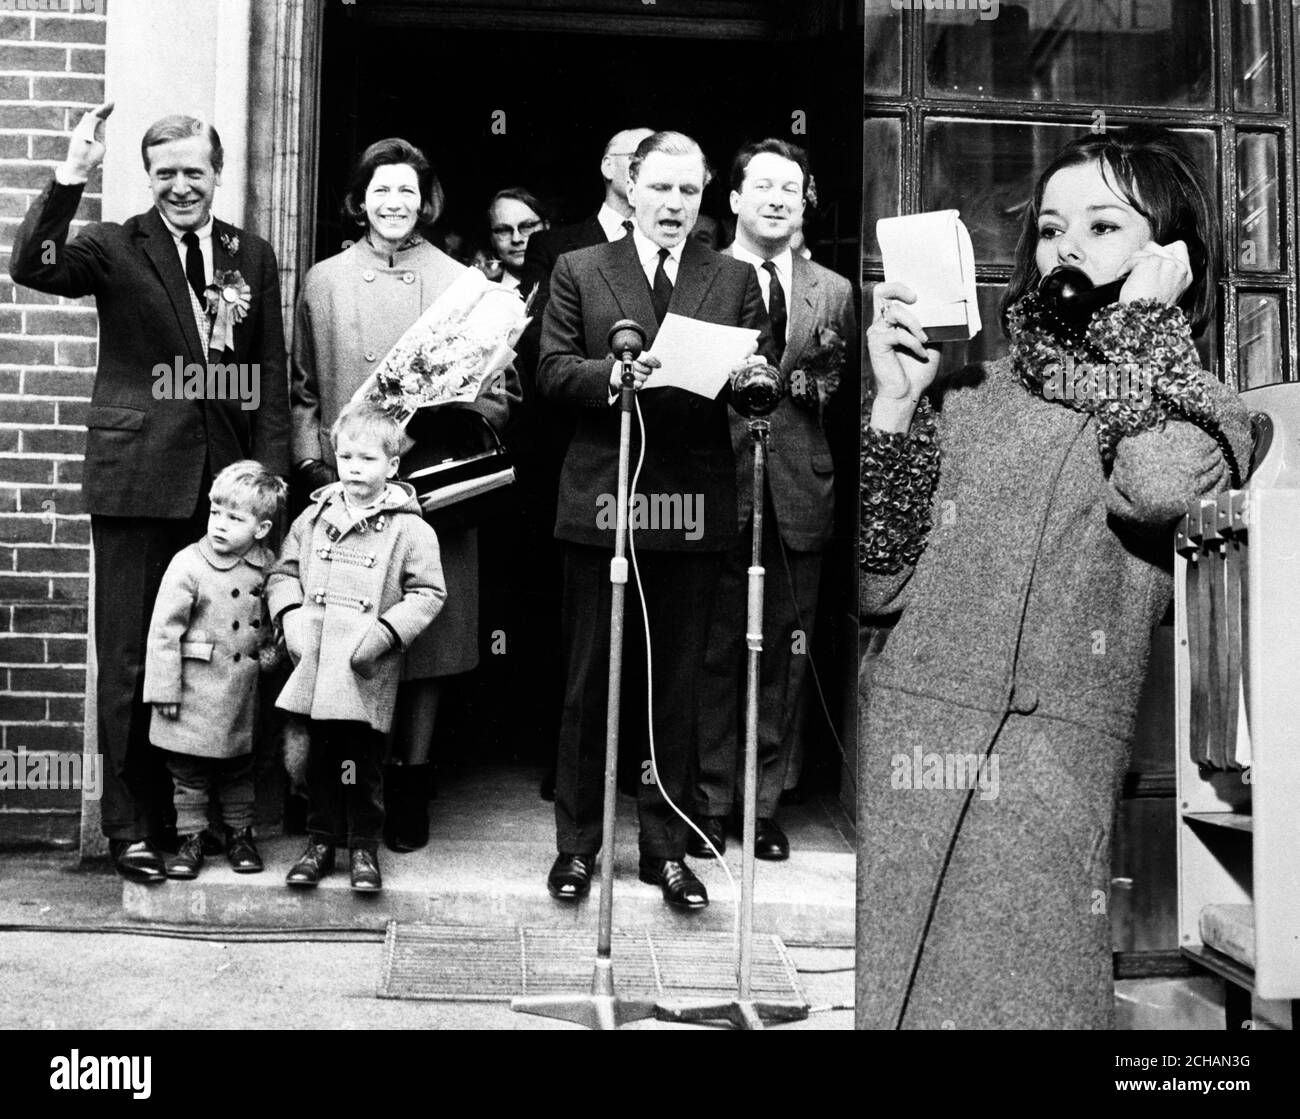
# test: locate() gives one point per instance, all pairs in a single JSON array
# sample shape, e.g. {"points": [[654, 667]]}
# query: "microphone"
{"points": [[756, 389], [626, 340]]}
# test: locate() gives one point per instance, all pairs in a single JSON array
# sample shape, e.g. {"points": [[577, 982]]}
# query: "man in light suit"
{"points": [[805, 302], [151, 452], [657, 269]]}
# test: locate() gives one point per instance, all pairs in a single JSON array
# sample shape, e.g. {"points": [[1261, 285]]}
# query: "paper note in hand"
{"points": [[698, 356], [931, 253]]}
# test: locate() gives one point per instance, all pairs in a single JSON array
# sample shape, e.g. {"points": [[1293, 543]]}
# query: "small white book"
{"points": [[931, 253]]}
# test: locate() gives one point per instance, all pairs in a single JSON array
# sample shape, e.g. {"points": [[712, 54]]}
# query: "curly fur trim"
{"points": [[899, 473]]}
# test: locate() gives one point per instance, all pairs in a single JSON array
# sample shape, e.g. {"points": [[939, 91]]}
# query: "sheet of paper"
{"points": [[932, 254], [698, 356]]}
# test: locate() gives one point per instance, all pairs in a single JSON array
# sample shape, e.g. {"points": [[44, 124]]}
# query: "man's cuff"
{"points": [[64, 177]]}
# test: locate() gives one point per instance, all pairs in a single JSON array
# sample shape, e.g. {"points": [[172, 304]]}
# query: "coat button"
{"points": [[1024, 699], [408, 277], [234, 624], [370, 355], [234, 592], [256, 592], [368, 276], [235, 658], [256, 623]]}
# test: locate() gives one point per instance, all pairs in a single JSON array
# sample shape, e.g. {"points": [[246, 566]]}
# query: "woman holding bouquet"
{"points": [[1026, 540], [353, 308]]}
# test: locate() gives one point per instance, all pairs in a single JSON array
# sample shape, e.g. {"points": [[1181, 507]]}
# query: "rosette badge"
{"points": [[228, 299]]}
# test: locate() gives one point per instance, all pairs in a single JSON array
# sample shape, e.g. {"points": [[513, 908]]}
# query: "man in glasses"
{"points": [[514, 215]]}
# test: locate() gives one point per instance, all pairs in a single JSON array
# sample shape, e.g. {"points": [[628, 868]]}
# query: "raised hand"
{"points": [[1159, 272], [86, 147], [902, 363]]}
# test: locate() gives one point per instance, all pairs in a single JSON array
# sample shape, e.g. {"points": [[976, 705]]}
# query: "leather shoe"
{"points": [[312, 865], [770, 841], [188, 860], [137, 860], [682, 890], [715, 827], [570, 877], [242, 851], [365, 870]]}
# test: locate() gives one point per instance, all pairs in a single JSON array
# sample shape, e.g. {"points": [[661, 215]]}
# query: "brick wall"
{"points": [[51, 71]]}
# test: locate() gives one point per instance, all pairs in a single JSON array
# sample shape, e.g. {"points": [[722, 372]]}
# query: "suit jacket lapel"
{"points": [[161, 251], [801, 313], [622, 271], [695, 274]]}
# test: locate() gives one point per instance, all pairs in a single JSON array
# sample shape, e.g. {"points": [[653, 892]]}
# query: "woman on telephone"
{"points": [[1023, 536]]}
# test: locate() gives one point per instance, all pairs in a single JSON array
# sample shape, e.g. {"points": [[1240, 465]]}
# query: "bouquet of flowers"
{"points": [[452, 351]]}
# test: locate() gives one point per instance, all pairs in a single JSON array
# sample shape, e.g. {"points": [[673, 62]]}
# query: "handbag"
{"points": [[458, 466]]}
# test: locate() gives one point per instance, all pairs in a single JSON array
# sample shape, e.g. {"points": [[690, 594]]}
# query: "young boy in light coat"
{"points": [[201, 666], [358, 579]]}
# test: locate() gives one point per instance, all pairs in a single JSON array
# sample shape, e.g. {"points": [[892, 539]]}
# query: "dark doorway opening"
{"points": [[529, 99]]}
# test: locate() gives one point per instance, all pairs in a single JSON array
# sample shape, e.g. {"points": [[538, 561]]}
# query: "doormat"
{"points": [[479, 964]]}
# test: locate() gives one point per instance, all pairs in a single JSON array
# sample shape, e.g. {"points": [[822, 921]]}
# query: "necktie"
{"points": [[627, 227], [661, 289], [776, 307], [194, 264]]}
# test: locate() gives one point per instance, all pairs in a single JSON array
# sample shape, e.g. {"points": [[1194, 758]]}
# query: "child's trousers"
{"points": [[194, 779], [345, 795]]}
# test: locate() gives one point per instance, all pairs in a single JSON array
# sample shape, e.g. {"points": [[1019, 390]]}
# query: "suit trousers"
{"points": [[679, 588], [782, 671], [131, 556]]}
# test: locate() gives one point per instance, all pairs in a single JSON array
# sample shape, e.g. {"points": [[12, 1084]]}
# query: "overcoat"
{"points": [[983, 893], [209, 621], [344, 575], [353, 307]]}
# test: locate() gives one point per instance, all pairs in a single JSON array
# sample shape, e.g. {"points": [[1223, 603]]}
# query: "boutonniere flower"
{"points": [[815, 381], [230, 243], [228, 300]]}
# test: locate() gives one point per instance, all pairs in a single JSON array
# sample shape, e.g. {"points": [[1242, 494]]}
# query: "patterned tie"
{"points": [[661, 289], [194, 271], [775, 307]]}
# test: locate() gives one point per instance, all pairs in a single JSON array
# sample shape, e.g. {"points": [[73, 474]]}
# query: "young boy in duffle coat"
{"points": [[358, 579], [207, 637]]}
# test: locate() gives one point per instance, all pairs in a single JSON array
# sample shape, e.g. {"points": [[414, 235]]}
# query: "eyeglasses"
{"points": [[524, 229]]}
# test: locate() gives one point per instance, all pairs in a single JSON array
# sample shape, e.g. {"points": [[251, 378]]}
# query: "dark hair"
{"points": [[518, 194], [384, 153], [180, 127], [1151, 170], [670, 143], [786, 150]]}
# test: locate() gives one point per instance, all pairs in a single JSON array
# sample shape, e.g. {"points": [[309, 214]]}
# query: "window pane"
{"points": [[880, 188], [1259, 238], [1098, 52], [883, 31], [1254, 86], [987, 170], [1259, 340]]}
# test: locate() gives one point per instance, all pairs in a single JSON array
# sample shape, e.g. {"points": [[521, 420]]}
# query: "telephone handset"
{"points": [[1067, 300]]}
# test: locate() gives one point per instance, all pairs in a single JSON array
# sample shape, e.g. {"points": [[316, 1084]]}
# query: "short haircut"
{"points": [[609, 144], [247, 485], [518, 194], [1151, 170], [771, 146], [367, 419], [180, 127], [383, 153], [670, 143]]}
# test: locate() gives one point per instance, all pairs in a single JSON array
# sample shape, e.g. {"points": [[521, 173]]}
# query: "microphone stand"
{"points": [[602, 1009], [744, 1012]]}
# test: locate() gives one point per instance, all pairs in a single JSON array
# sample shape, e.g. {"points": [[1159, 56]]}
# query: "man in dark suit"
{"points": [[153, 447], [539, 437], [657, 269], [807, 304]]}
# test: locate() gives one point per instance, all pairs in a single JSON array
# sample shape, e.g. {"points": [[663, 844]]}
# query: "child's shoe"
{"points": [[365, 870], [188, 860], [314, 863], [242, 851]]}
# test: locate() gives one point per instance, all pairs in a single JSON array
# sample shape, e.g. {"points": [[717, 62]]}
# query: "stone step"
{"points": [[492, 841]]}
